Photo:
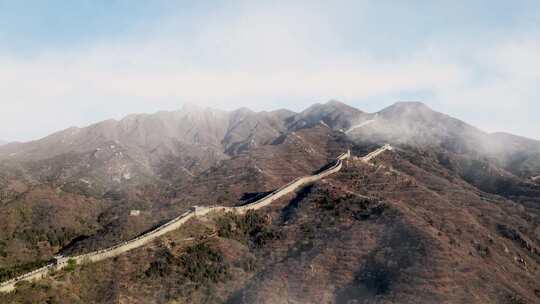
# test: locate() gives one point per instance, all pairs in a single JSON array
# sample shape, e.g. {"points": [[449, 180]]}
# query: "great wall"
{"points": [[60, 261]]}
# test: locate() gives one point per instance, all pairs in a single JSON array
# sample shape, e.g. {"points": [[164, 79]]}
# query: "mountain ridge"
{"points": [[334, 113], [205, 136], [189, 107]]}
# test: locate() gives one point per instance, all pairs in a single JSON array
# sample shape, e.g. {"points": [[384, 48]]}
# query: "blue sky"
{"points": [[65, 63]]}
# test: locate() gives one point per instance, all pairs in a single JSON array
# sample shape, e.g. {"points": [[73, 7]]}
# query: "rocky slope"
{"points": [[450, 216]]}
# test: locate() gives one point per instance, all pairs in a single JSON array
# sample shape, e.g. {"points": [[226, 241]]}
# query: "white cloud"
{"points": [[262, 60], [506, 99]]}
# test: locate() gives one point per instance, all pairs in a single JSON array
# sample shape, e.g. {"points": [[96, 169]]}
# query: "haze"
{"points": [[74, 63]]}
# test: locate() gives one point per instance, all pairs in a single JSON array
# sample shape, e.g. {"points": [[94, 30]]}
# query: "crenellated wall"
{"points": [[182, 219], [37, 274]]}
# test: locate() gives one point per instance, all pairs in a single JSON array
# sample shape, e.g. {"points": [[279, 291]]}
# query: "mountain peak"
{"points": [[334, 102], [407, 108], [410, 104]]}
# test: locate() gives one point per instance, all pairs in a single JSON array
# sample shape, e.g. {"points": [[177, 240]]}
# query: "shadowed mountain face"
{"points": [[449, 216]]}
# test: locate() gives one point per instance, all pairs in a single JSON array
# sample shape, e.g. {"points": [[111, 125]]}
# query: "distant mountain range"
{"points": [[452, 208], [148, 139]]}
